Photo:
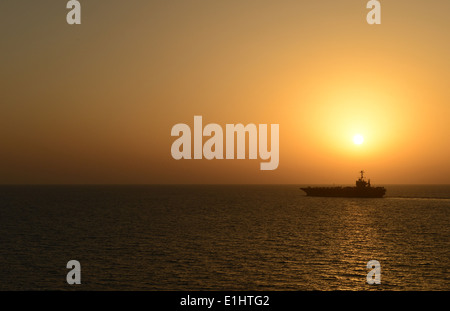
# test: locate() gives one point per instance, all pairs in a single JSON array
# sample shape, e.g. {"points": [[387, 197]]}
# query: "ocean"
{"points": [[222, 237]]}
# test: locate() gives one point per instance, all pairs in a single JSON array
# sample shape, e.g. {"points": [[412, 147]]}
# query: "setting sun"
{"points": [[358, 139]]}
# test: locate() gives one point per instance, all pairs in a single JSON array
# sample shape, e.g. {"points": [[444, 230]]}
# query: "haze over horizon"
{"points": [[95, 103]]}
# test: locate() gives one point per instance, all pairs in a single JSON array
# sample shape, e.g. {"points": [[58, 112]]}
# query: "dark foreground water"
{"points": [[222, 238]]}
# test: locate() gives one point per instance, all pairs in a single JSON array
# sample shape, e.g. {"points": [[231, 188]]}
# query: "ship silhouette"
{"points": [[363, 189]]}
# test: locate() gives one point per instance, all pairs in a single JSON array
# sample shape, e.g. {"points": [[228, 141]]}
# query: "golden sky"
{"points": [[95, 103]]}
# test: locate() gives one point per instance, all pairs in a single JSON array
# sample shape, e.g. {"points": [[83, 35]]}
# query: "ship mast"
{"points": [[362, 175]]}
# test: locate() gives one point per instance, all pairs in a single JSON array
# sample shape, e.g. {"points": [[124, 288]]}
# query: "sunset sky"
{"points": [[95, 103]]}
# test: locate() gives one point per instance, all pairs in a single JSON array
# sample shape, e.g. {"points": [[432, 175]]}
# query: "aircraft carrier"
{"points": [[363, 189]]}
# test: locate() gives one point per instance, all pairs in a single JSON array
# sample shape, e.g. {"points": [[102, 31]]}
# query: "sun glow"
{"points": [[358, 139]]}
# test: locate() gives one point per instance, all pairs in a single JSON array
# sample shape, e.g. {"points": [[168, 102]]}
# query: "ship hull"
{"points": [[345, 192]]}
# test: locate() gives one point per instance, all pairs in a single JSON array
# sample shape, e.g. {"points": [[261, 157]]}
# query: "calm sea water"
{"points": [[222, 238]]}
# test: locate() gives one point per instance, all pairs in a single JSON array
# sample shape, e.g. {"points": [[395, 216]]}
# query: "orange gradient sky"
{"points": [[95, 103]]}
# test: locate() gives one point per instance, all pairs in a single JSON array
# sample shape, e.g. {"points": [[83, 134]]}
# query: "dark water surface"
{"points": [[222, 238]]}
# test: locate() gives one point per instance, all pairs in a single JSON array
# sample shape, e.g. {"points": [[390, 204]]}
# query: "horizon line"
{"points": [[207, 184]]}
